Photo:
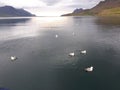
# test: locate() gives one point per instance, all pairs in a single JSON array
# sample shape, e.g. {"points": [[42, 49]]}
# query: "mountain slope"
{"points": [[104, 5], [9, 11], [104, 8]]}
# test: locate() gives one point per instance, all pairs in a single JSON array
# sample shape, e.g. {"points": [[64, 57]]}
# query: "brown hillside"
{"points": [[107, 4]]}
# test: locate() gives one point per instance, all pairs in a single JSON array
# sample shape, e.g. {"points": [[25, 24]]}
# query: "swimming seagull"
{"points": [[89, 69], [56, 36], [72, 54], [13, 58], [84, 52]]}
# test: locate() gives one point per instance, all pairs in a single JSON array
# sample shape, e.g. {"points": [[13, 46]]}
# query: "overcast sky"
{"points": [[50, 7]]}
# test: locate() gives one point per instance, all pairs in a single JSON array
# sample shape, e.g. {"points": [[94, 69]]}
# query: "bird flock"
{"points": [[72, 54]]}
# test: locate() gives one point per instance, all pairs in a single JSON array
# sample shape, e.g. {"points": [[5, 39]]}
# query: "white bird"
{"points": [[84, 52], [13, 58], [72, 54], [89, 69], [56, 36]]}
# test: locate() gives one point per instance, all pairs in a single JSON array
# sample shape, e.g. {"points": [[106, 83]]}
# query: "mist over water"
{"points": [[43, 60]]}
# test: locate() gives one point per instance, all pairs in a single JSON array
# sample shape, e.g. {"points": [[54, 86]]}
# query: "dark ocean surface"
{"points": [[43, 60]]}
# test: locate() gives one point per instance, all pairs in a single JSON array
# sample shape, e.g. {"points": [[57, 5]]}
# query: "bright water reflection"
{"points": [[13, 28]]}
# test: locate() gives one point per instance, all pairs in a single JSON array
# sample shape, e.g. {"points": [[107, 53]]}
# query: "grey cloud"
{"points": [[87, 0], [75, 6], [81, 6], [83, 3], [51, 2], [1, 4]]}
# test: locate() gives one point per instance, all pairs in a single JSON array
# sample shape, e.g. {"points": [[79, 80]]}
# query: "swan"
{"points": [[13, 58], [72, 54], [84, 52], [89, 69]]}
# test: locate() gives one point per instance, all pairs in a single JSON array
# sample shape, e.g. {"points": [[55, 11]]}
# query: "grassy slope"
{"points": [[110, 12]]}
